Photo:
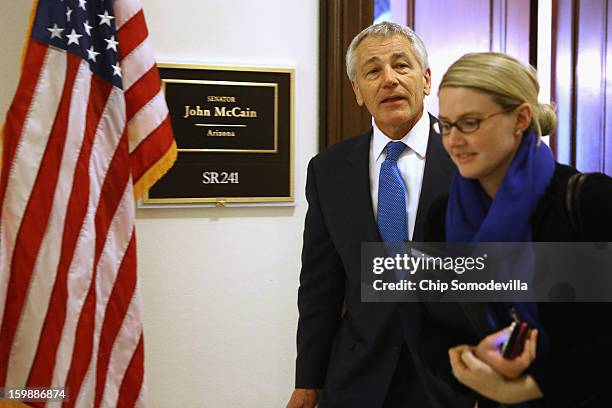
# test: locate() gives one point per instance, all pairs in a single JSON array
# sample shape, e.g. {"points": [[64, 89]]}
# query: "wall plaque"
{"points": [[234, 134]]}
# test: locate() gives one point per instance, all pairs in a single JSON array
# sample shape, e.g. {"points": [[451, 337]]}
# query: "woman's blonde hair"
{"points": [[509, 82]]}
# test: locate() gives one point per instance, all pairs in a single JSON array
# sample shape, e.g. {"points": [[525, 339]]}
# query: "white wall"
{"points": [[14, 23], [218, 285]]}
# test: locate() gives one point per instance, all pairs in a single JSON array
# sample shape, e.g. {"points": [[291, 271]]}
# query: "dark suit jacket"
{"points": [[353, 355], [576, 370]]}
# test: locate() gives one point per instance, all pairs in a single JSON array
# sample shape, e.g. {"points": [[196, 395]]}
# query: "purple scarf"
{"points": [[472, 216]]}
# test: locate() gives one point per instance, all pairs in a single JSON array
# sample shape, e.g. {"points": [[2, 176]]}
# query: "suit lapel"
{"points": [[357, 189], [437, 175]]}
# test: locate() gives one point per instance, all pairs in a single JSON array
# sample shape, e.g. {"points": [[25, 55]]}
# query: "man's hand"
{"points": [[303, 398], [488, 351]]}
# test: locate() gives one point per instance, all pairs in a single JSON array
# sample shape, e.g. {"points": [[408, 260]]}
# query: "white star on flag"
{"points": [[68, 13], [56, 32], [105, 18], [112, 44], [82, 4], [73, 37], [91, 54], [116, 70], [87, 27]]}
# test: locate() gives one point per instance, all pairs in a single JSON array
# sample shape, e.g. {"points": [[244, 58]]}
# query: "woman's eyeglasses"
{"points": [[464, 125]]}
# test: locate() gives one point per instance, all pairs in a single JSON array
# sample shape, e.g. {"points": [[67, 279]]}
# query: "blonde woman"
{"points": [[509, 189]]}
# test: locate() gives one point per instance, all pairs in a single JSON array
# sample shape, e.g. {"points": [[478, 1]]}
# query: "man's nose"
{"points": [[389, 76]]}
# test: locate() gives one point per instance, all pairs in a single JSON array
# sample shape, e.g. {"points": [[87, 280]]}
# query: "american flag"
{"points": [[87, 131]]}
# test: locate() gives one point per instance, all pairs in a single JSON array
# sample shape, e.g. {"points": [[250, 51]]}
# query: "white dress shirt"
{"points": [[411, 164]]}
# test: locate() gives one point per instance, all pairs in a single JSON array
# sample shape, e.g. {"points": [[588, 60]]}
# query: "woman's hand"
{"points": [[484, 379], [488, 351]]}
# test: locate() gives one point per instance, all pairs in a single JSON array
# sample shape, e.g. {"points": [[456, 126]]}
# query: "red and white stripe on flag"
{"points": [[87, 131]]}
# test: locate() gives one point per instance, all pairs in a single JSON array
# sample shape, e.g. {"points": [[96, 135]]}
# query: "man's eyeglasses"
{"points": [[465, 125]]}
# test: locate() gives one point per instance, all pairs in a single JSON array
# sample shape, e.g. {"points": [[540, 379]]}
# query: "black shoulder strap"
{"points": [[572, 200]]}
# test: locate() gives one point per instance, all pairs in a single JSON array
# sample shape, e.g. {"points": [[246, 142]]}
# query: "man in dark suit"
{"points": [[354, 354]]}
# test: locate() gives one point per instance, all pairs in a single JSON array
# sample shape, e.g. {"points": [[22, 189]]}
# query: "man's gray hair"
{"points": [[386, 29]]}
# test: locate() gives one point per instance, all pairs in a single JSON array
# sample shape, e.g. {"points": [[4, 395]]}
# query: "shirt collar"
{"points": [[416, 139]]}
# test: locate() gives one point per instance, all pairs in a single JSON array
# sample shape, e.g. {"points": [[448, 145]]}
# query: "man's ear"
{"points": [[427, 79], [358, 96]]}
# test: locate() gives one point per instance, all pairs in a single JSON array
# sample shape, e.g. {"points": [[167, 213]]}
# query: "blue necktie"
{"points": [[392, 216]]}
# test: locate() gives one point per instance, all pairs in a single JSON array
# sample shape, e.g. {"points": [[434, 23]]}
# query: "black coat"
{"points": [[353, 355], [577, 370]]}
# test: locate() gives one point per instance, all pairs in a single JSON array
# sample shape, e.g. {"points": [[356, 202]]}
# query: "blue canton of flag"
{"points": [[82, 27]]}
